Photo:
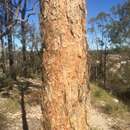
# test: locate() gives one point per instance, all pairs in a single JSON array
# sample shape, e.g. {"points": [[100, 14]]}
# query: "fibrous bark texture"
{"points": [[65, 72]]}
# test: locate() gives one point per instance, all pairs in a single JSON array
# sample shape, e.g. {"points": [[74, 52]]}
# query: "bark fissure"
{"points": [[65, 73]]}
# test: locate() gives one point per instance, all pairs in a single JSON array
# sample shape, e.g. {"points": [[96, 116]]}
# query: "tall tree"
{"points": [[99, 36], [2, 47], [9, 19], [23, 39], [65, 71], [119, 27], [102, 20]]}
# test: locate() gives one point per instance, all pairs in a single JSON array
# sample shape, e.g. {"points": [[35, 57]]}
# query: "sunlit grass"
{"points": [[107, 102]]}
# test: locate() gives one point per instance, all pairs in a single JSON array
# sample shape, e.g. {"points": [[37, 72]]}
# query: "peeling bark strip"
{"points": [[65, 70]]}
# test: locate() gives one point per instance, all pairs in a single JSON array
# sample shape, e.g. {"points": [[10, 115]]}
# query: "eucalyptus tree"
{"points": [[99, 35], [9, 20], [65, 94], [2, 45], [119, 27], [102, 19]]}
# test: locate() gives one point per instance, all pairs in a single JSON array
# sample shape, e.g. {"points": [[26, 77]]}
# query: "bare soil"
{"points": [[12, 120]]}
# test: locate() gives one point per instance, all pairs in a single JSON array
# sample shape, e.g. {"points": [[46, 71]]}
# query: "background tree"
{"points": [[113, 36], [119, 31], [102, 20], [9, 20], [98, 32], [2, 21]]}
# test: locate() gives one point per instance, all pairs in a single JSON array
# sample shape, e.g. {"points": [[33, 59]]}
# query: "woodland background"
{"points": [[21, 48]]}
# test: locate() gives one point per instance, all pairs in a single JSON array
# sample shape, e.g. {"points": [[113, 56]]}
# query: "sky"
{"points": [[93, 7], [96, 6]]}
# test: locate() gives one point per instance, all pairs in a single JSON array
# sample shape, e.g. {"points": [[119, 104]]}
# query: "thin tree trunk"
{"points": [[24, 49], [11, 57], [3, 56], [23, 41], [105, 66], [65, 71], [10, 43]]}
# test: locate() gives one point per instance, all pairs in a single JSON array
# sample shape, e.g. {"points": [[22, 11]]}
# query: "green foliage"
{"points": [[95, 129], [3, 122], [6, 83], [120, 79], [111, 32], [114, 27], [106, 101], [10, 105], [119, 28]]}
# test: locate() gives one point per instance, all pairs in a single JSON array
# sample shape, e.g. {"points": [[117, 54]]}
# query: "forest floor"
{"points": [[10, 109]]}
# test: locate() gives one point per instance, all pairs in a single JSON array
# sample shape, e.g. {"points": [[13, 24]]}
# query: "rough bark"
{"points": [[65, 94]]}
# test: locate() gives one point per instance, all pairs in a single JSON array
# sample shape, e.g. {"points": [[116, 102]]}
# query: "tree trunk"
{"points": [[3, 65], [11, 57], [23, 40], [12, 73], [24, 49], [65, 71], [105, 67]]}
